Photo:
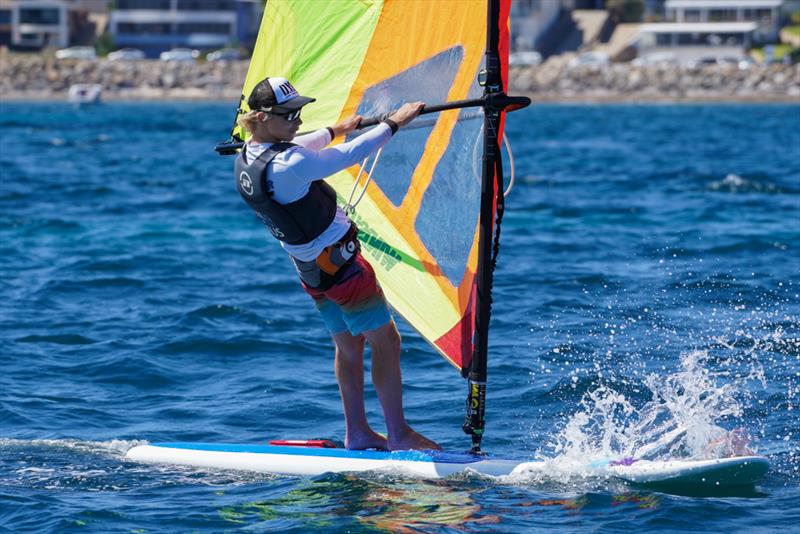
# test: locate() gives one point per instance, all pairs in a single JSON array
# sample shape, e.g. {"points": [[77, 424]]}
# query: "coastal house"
{"points": [[39, 24], [34, 24], [688, 41], [706, 29], [158, 25], [765, 14]]}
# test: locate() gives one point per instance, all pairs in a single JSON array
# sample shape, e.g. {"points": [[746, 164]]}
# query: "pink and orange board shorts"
{"points": [[354, 304]]}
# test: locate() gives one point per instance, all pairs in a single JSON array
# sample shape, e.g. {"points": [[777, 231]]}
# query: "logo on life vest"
{"points": [[246, 183], [274, 230]]}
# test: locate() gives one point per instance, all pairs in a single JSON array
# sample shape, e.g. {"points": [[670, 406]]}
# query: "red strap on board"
{"points": [[318, 443]]}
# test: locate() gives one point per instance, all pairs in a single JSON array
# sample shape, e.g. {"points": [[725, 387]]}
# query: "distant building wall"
{"points": [[248, 21], [531, 18], [6, 28], [158, 25]]}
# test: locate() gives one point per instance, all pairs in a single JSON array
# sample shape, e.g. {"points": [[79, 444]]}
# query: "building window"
{"points": [[205, 5], [764, 16], [32, 39], [162, 5], [722, 15], [39, 16], [144, 28], [5, 16], [204, 27], [691, 15]]}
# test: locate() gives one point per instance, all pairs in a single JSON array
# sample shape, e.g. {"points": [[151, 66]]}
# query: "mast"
{"points": [[493, 87]]}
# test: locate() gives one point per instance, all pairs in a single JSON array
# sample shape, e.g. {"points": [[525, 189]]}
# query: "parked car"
{"points": [[126, 54], [742, 62], [528, 58], [180, 54], [705, 61], [77, 52], [224, 54], [656, 58], [590, 58]]}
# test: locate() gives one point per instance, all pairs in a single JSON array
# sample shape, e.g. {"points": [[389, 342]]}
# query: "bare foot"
{"points": [[411, 440], [366, 440]]}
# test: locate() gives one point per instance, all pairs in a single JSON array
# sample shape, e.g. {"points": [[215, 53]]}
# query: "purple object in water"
{"points": [[624, 461]]}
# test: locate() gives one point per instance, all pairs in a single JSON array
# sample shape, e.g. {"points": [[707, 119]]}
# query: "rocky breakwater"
{"points": [[558, 81], [46, 78], [36, 77]]}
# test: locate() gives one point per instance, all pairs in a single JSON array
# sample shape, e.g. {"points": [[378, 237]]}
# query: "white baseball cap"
{"points": [[276, 95]]}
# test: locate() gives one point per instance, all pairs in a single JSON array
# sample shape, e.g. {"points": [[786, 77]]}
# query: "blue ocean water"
{"points": [[648, 281]]}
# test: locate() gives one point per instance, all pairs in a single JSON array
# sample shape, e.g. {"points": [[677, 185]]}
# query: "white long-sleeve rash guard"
{"points": [[293, 170]]}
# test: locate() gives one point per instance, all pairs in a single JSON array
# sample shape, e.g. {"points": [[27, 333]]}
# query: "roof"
{"points": [[722, 4], [698, 27]]}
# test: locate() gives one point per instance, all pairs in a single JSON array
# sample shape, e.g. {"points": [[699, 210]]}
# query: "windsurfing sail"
{"points": [[427, 219]]}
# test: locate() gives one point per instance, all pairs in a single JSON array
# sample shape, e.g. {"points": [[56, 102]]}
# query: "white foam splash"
{"points": [[680, 421], [114, 447], [734, 183]]}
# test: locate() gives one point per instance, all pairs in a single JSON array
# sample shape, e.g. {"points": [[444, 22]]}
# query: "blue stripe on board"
{"points": [[407, 456]]}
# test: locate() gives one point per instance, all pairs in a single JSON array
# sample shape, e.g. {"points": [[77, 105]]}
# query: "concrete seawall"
{"points": [[31, 77]]}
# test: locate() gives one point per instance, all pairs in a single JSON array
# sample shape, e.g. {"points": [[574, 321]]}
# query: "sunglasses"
{"points": [[291, 116]]}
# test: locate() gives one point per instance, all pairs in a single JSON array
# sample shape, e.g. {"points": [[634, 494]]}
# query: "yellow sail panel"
{"points": [[418, 221], [319, 46]]}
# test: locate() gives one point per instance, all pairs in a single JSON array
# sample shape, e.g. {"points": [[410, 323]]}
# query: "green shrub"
{"points": [[104, 44], [626, 10]]}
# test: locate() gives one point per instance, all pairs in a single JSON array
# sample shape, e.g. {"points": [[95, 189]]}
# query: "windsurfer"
{"points": [[300, 210]]}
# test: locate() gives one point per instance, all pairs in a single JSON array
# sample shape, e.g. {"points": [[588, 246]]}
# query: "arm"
{"points": [[310, 165], [316, 140], [323, 137]]}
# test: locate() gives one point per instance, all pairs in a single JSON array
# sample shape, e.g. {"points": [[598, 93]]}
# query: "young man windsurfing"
{"points": [[281, 177]]}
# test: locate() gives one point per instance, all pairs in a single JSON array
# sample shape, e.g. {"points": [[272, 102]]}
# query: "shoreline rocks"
{"points": [[36, 77], [627, 82], [40, 78]]}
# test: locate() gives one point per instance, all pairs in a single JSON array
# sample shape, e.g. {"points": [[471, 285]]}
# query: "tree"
{"points": [[626, 10], [104, 43]]}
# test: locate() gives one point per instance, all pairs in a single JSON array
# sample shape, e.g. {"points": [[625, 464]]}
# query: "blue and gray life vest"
{"points": [[295, 223]]}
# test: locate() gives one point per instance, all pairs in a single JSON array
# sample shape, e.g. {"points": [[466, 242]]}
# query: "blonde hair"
{"points": [[248, 121]]}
